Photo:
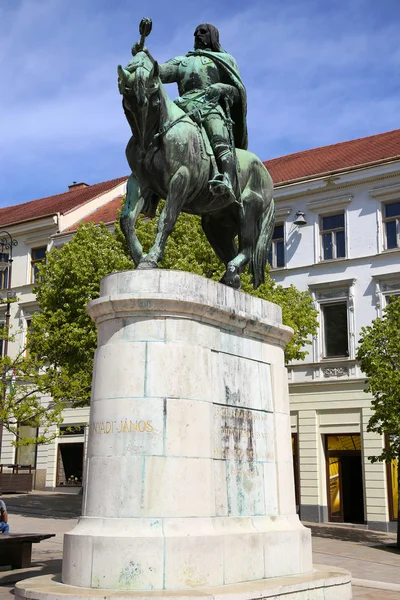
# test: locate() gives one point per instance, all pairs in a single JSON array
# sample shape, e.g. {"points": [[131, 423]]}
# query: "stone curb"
{"points": [[378, 585]]}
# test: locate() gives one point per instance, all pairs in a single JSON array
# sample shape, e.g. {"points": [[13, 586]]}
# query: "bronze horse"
{"points": [[169, 158]]}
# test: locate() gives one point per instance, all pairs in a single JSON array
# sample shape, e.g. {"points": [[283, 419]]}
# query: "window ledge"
{"points": [[332, 260], [389, 251], [335, 359], [277, 269]]}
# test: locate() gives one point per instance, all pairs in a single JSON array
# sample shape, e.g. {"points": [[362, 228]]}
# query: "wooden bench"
{"points": [[16, 548]]}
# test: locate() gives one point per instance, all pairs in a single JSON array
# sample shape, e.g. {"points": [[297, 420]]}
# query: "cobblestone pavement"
{"points": [[367, 554]]}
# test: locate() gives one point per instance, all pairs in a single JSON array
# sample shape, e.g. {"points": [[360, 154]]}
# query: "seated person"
{"points": [[4, 526]]}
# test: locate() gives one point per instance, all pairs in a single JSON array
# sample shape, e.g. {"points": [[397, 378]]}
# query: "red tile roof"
{"points": [[60, 203], [104, 214], [309, 163], [334, 158]]}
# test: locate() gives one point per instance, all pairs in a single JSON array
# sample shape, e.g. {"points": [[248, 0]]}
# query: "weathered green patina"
{"points": [[193, 153]]}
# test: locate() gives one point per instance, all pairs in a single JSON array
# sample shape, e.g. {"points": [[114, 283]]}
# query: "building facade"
{"points": [[337, 235], [37, 227]]}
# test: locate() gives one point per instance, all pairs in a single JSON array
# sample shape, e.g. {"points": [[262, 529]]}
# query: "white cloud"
{"points": [[316, 73]]}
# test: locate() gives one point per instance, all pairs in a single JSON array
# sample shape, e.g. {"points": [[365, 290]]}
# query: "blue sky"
{"points": [[316, 73]]}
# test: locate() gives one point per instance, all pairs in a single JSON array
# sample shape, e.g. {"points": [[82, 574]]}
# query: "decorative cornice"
{"points": [[296, 193], [389, 192], [332, 284], [329, 203], [282, 212], [335, 372], [386, 276]]}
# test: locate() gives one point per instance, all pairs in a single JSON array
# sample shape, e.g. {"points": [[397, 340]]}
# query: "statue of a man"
{"points": [[207, 77]]}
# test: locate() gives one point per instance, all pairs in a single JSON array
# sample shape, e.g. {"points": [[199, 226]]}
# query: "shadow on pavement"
{"points": [[49, 566], [45, 505], [365, 537], [391, 548]]}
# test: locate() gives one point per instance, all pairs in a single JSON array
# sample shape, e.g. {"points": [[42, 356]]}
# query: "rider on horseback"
{"points": [[208, 77]]}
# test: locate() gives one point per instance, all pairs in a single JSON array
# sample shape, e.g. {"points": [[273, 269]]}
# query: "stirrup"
{"points": [[221, 186]]}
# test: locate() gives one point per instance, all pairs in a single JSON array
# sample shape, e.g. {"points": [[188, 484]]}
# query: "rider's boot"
{"points": [[222, 183]]}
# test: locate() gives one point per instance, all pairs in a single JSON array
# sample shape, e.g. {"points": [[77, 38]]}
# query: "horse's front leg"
{"points": [[129, 215], [177, 194]]}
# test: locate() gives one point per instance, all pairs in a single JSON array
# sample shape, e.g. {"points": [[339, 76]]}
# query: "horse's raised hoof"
{"points": [[147, 264], [232, 280]]}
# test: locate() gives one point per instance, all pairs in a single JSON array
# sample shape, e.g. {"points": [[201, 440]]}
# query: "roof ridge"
{"points": [[67, 192], [90, 215], [327, 146]]}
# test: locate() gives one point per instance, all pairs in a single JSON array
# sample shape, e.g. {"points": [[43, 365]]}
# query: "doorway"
{"points": [[69, 464], [344, 477]]}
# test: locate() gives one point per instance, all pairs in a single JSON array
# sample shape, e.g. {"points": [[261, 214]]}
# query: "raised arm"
{"points": [[168, 70]]}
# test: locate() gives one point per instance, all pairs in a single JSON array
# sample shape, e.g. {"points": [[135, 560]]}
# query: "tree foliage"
{"points": [[22, 386], [64, 335], [379, 356], [189, 250]]}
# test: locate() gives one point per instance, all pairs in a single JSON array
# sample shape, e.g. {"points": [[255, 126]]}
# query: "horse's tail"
{"points": [[259, 258]]}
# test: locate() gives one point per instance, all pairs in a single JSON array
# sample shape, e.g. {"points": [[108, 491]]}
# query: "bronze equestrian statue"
{"points": [[193, 152]]}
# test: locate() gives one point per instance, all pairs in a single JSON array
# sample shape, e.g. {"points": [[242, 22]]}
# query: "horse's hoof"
{"points": [[147, 264], [232, 281]]}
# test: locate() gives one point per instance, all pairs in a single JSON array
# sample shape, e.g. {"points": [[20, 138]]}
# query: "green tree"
{"points": [[379, 356], [22, 387], [189, 250], [65, 337]]}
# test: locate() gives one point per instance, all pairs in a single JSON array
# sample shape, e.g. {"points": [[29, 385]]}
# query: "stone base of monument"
{"points": [[189, 487], [323, 583]]}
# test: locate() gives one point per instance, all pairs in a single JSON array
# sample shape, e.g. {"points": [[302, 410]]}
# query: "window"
{"points": [[296, 467], [276, 255], [391, 298], [28, 326], [26, 455], [333, 244], [4, 276], [335, 328], [392, 225], [72, 429], [38, 256], [336, 339]]}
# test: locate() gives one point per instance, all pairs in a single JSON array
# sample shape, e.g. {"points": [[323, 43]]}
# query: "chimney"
{"points": [[77, 186]]}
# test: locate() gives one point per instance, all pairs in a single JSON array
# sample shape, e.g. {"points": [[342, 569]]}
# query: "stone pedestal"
{"points": [[189, 477]]}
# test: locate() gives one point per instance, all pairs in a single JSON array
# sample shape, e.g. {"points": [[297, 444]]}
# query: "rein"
{"points": [[196, 121]]}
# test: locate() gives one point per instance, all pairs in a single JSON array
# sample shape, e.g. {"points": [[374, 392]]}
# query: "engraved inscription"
{"points": [[123, 426], [241, 434]]}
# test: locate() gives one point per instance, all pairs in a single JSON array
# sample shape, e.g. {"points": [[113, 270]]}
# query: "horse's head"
{"points": [[140, 84], [139, 80]]}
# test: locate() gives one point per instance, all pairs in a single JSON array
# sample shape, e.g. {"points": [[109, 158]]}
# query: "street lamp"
{"points": [[7, 242]]}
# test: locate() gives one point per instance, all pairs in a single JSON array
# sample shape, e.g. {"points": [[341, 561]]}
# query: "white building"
{"points": [[35, 226], [347, 255]]}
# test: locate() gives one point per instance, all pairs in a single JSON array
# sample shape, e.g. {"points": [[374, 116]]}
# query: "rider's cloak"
{"points": [[229, 73]]}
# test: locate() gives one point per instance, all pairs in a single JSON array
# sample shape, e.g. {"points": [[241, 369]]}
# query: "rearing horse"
{"points": [[170, 158]]}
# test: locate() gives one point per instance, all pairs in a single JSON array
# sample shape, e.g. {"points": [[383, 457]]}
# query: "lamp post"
{"points": [[7, 243]]}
